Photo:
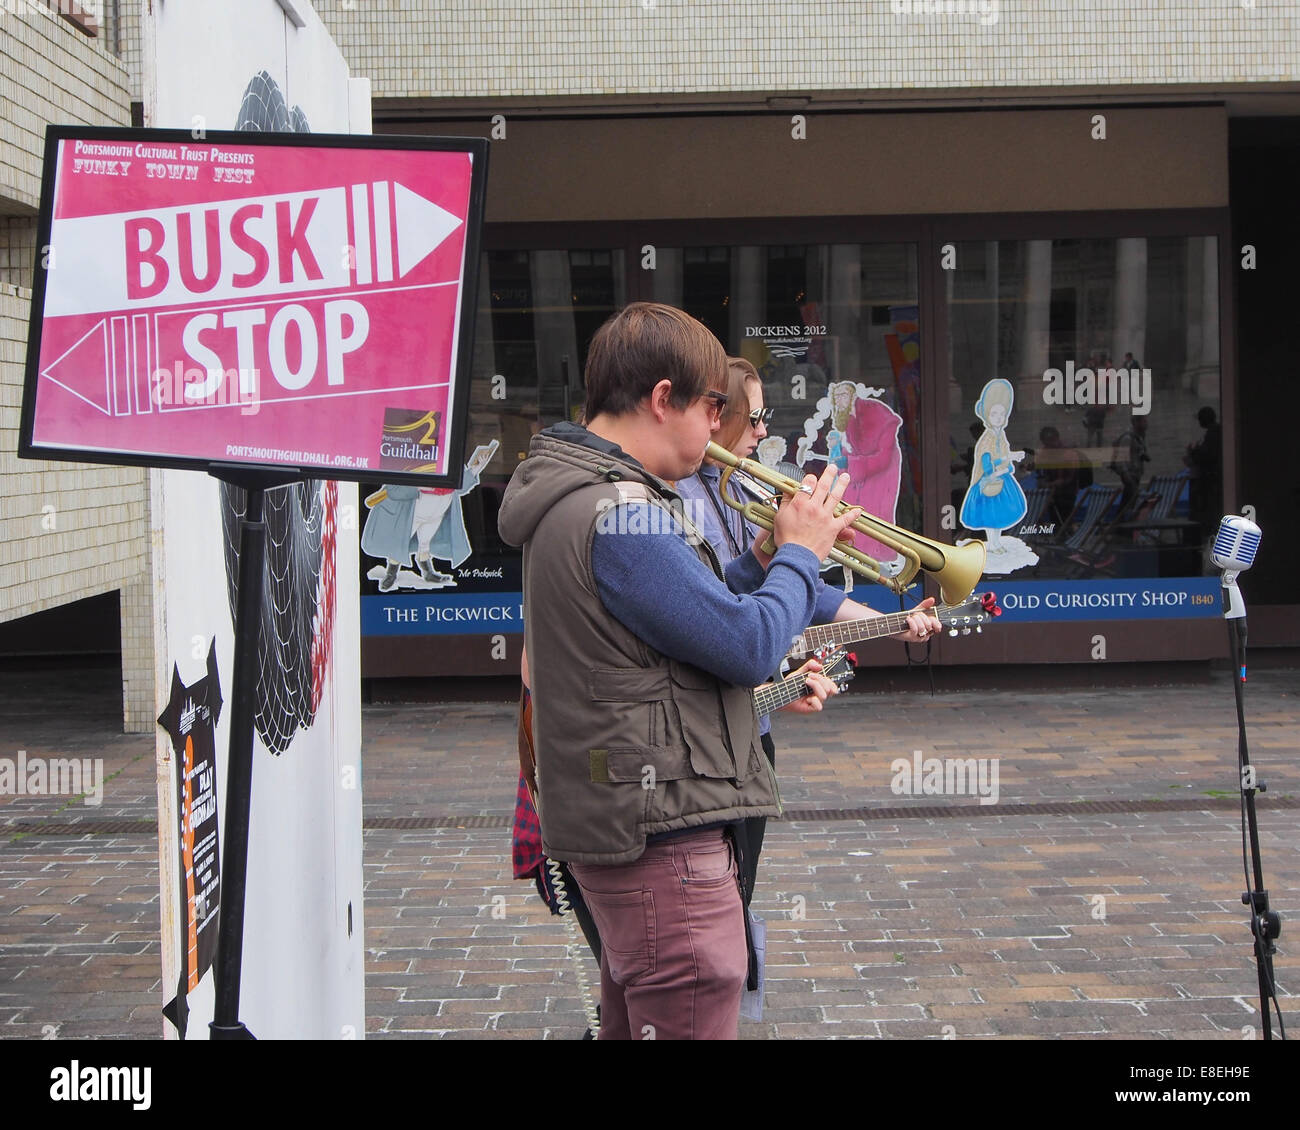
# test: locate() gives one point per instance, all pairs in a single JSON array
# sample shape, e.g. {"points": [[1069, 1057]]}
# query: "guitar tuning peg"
{"points": [[954, 632], [979, 631]]}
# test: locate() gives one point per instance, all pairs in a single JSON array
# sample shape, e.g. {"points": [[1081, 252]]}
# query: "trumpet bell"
{"points": [[962, 568]]}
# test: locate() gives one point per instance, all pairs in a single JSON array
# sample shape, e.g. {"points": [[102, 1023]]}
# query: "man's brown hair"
{"points": [[643, 344]]}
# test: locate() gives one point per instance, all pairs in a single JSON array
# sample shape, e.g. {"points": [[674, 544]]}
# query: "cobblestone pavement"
{"points": [[1097, 895]]}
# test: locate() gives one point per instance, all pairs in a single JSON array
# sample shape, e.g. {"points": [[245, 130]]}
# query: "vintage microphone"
{"points": [[1233, 553]]}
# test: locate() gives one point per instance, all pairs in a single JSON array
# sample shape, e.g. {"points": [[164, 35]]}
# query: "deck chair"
{"points": [[1156, 502], [1091, 510], [1167, 489], [1087, 532], [1036, 501]]}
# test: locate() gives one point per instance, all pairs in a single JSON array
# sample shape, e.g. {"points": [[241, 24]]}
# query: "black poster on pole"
{"points": [[190, 721]]}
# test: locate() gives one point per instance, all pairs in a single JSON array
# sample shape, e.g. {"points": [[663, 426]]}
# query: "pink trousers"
{"points": [[672, 931]]}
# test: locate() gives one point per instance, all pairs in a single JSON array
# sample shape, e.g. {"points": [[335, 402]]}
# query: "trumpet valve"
{"points": [[893, 568]]}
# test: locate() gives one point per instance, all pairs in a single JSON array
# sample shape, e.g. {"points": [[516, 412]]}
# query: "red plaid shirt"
{"points": [[526, 835]]}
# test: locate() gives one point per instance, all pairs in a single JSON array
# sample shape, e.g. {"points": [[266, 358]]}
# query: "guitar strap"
{"points": [[527, 753], [723, 511]]}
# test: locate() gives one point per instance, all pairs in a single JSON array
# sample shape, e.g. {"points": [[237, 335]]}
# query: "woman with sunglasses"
{"points": [[744, 425]]}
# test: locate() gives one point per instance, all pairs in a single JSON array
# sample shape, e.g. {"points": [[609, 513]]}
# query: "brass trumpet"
{"points": [[957, 568]]}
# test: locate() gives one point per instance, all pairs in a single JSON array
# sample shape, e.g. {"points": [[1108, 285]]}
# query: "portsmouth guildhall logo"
{"points": [[410, 440]]}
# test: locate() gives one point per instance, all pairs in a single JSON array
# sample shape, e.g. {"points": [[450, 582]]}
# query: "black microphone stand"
{"points": [[1265, 924]]}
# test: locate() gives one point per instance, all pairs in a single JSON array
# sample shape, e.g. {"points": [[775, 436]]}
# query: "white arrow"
{"points": [[94, 253], [255, 238], [421, 227], [83, 369]]}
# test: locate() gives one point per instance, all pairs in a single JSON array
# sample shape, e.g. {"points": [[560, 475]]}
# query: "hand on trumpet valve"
{"points": [[921, 626], [808, 516], [764, 558]]}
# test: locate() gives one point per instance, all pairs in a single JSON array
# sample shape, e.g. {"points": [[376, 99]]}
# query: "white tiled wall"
{"points": [[138, 705], [49, 72], [129, 15], [17, 249], [70, 530], [510, 48], [67, 530]]}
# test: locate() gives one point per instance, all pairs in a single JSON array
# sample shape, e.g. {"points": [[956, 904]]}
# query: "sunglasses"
{"points": [[718, 401], [761, 416]]}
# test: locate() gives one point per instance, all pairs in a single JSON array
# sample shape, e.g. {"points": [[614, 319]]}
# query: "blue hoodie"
{"points": [[652, 581]]}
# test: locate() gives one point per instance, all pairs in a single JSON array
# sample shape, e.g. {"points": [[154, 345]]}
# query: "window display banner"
{"points": [[1174, 598], [459, 614], [1024, 602], [301, 302]]}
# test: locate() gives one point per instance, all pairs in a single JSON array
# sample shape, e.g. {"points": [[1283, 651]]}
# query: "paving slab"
{"points": [[1098, 896]]}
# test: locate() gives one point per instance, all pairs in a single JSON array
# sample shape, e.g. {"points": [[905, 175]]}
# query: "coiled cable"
{"points": [[574, 948]]}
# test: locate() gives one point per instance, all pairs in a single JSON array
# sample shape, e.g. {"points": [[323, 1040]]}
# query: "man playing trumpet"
{"points": [[643, 662], [742, 428]]}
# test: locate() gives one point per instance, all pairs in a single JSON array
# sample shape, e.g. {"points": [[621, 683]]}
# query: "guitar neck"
{"points": [[851, 631], [773, 696]]}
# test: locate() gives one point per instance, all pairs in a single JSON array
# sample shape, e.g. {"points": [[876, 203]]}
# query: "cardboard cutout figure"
{"points": [[994, 500], [424, 521], [861, 437]]}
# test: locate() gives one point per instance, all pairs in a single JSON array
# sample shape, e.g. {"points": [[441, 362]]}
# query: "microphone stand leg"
{"points": [[1265, 924]]}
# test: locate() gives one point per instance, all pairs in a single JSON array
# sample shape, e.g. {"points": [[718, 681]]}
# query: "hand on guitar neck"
{"points": [[817, 689], [970, 615], [920, 624], [833, 666]]}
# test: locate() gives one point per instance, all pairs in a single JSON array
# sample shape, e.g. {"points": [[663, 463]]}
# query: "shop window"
{"points": [[1084, 405], [834, 332]]}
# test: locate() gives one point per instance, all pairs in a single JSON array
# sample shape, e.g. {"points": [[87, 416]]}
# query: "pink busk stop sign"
{"points": [[275, 300]]}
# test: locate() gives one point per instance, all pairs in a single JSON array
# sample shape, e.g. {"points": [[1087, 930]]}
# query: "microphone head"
{"points": [[1235, 544]]}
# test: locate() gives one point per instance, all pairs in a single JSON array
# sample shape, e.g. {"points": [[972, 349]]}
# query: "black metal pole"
{"points": [[226, 1024], [1265, 924]]}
